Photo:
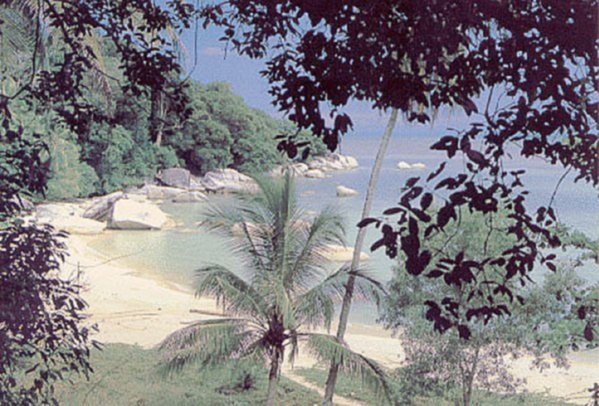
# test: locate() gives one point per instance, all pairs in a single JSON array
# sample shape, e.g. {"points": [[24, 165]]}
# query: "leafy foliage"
{"points": [[41, 317], [544, 322]]}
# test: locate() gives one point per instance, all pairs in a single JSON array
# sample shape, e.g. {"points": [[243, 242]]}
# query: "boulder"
{"points": [[228, 180], [418, 165], [315, 173], [404, 165], [68, 217], [190, 197], [78, 225], [299, 168], [195, 184], [100, 206], [343, 191], [58, 210], [175, 177], [154, 192], [339, 253], [278, 170], [317, 163], [133, 215]]}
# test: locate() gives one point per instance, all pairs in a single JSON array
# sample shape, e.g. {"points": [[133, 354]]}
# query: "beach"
{"points": [[134, 308]]}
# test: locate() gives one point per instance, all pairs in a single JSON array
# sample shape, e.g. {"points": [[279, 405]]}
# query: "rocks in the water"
{"points": [[296, 169], [101, 206], [189, 197], [339, 253], [136, 215], [404, 165], [175, 177], [228, 180], [333, 162], [343, 191], [315, 174]]}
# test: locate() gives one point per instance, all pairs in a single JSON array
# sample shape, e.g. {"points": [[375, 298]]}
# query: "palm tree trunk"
{"points": [[273, 377], [349, 287]]}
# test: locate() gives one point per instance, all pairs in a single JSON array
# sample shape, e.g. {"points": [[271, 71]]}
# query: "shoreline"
{"points": [[132, 308]]}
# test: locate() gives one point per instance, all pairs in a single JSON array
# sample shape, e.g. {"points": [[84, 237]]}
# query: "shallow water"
{"points": [[175, 254]]}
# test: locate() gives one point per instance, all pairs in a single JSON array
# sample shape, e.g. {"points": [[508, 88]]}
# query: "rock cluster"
{"points": [[319, 167]]}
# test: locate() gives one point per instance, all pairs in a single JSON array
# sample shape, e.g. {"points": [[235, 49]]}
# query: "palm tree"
{"points": [[283, 293]]}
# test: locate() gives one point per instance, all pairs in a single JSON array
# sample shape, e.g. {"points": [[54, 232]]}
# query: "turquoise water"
{"points": [[175, 254]]}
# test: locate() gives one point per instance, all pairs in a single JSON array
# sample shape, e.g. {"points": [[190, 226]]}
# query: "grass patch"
{"points": [[127, 375], [353, 388]]}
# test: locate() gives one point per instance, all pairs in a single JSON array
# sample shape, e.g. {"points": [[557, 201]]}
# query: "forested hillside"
{"points": [[141, 134]]}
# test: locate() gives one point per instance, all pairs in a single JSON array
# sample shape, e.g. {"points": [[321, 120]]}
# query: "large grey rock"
{"points": [[175, 177], [100, 206], [228, 180], [134, 215], [343, 191]]}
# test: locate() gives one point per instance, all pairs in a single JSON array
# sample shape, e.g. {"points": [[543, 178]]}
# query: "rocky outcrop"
{"points": [[339, 253], [68, 217], [228, 180], [129, 214], [343, 191], [100, 206]]}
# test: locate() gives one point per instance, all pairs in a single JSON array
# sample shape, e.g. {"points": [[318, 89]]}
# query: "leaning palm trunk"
{"points": [[349, 290]]}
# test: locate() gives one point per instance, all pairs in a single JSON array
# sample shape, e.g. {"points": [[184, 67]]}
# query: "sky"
{"points": [[214, 63]]}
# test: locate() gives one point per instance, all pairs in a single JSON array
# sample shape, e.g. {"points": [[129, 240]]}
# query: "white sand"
{"points": [[132, 309]]}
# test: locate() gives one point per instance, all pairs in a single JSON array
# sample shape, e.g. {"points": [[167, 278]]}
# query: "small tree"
{"points": [[544, 322], [286, 290]]}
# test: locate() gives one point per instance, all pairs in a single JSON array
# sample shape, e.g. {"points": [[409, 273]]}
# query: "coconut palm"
{"points": [[284, 292]]}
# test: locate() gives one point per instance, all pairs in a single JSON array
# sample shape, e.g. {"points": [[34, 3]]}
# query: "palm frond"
{"points": [[224, 285], [328, 348], [316, 306], [309, 259], [205, 342]]}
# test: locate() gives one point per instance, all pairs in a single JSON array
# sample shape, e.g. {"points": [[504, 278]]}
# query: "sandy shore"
{"points": [[133, 309]]}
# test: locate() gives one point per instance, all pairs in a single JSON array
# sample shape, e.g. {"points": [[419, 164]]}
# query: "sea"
{"points": [[173, 255]]}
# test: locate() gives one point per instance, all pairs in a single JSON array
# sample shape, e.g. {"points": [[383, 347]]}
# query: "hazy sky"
{"points": [[213, 64]]}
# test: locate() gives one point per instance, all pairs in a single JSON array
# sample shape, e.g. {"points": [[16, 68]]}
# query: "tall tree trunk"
{"points": [[156, 117], [349, 287], [273, 377]]}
